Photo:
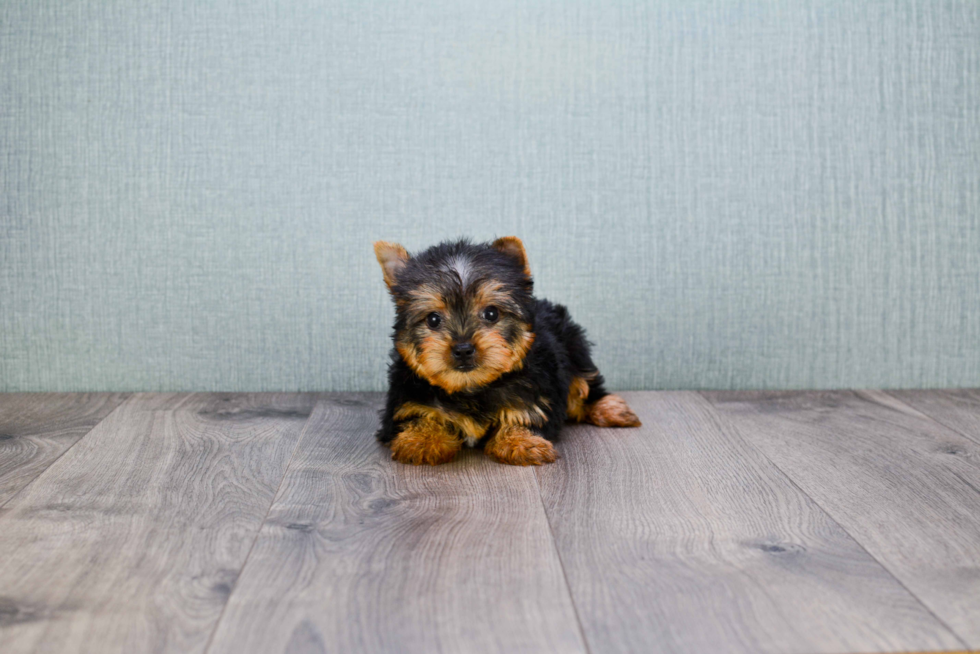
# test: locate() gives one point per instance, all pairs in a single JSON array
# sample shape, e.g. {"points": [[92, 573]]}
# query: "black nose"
{"points": [[463, 351]]}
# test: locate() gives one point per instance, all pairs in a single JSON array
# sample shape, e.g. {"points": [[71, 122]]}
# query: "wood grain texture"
{"points": [[37, 428], [957, 409], [362, 554], [679, 537], [133, 540], [907, 488]]}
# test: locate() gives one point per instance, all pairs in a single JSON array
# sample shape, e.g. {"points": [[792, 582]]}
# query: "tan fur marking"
{"points": [[489, 293], [470, 427], [518, 417], [612, 411], [520, 446], [425, 440], [578, 390], [459, 423], [426, 299], [392, 258], [416, 410], [514, 247]]}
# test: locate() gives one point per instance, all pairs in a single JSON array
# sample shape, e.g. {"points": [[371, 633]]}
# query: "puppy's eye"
{"points": [[490, 314], [433, 320]]}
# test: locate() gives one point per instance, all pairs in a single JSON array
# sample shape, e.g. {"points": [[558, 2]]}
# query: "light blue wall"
{"points": [[726, 194]]}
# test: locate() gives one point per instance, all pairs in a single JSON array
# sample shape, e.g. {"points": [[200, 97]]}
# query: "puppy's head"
{"points": [[463, 310]]}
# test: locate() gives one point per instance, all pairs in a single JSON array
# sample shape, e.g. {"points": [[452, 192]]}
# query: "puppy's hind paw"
{"points": [[612, 411]]}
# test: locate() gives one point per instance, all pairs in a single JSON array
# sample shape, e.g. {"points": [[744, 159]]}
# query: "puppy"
{"points": [[477, 359]]}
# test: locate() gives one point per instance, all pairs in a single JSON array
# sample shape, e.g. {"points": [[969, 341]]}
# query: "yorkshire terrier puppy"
{"points": [[479, 360]]}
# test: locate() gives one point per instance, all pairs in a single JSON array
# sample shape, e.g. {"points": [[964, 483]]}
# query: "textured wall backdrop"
{"points": [[726, 194]]}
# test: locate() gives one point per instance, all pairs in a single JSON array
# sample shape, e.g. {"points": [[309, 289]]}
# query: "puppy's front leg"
{"points": [[425, 440], [519, 446]]}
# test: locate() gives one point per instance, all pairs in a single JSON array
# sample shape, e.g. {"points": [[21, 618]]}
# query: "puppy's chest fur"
{"points": [[475, 415]]}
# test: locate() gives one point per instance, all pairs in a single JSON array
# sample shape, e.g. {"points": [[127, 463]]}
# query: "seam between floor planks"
{"points": [[204, 448], [122, 399], [730, 424], [55, 460], [360, 553], [255, 536], [697, 511], [891, 463], [561, 564], [930, 412], [928, 415]]}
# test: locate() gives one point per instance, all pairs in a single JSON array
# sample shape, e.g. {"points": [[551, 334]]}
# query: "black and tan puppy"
{"points": [[479, 360]]}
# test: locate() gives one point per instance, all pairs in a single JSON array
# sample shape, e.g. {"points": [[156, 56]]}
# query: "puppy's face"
{"points": [[463, 316]]}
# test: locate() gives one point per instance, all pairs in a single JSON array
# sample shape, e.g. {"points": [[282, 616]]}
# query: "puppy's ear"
{"points": [[513, 248], [392, 258]]}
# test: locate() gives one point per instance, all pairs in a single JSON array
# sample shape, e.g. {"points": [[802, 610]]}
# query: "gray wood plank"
{"points": [[680, 537], [37, 428], [957, 409], [133, 539], [907, 488], [362, 554]]}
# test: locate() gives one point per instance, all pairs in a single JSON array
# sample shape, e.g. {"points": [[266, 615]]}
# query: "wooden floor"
{"points": [[730, 522]]}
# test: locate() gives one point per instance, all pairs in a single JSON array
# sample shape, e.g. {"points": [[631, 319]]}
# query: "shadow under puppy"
{"points": [[479, 360]]}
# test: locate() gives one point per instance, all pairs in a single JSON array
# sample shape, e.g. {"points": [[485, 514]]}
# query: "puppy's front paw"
{"points": [[425, 442], [519, 446]]}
